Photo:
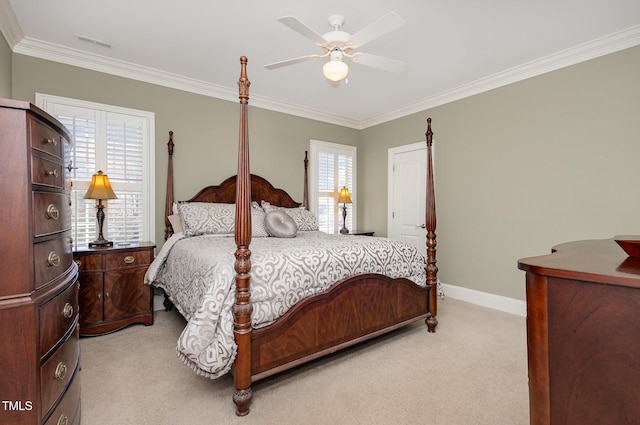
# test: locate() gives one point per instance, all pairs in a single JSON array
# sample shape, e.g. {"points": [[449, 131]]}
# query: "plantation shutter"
{"points": [[334, 167], [119, 144]]}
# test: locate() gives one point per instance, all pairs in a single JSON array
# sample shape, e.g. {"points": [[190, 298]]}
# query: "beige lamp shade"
{"points": [[100, 188], [344, 197]]}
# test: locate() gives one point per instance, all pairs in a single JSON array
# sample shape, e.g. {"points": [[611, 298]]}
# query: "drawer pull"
{"points": [[78, 263], [64, 420], [53, 173], [67, 311], [61, 371], [52, 212], [129, 259], [53, 141], [53, 259]]}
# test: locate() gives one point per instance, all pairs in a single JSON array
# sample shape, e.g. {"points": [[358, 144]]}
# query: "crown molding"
{"points": [[9, 25], [611, 43], [53, 52], [18, 43]]}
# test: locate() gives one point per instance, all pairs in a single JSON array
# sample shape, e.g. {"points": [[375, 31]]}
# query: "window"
{"points": [[332, 167], [119, 142]]}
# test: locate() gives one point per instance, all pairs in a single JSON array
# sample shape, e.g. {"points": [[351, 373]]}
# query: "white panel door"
{"points": [[407, 193]]}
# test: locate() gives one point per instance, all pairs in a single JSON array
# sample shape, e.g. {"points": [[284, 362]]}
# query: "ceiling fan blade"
{"points": [[384, 25], [293, 23], [293, 61], [379, 62]]}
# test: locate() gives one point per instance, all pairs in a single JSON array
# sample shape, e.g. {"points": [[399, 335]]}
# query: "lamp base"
{"points": [[344, 229], [100, 242]]}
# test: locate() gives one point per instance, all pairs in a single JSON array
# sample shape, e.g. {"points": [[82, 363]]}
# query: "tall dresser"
{"points": [[39, 349]]}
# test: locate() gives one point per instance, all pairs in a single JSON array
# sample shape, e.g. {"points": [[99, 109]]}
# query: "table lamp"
{"points": [[100, 189], [344, 198]]}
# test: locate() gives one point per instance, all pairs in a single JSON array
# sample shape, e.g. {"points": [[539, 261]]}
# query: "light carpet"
{"points": [[472, 371]]}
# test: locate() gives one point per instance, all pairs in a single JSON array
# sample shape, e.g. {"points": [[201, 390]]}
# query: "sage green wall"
{"points": [[5, 68], [521, 168], [205, 129], [518, 169]]}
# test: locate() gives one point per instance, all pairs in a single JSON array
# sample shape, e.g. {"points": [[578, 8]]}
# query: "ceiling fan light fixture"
{"points": [[335, 69]]}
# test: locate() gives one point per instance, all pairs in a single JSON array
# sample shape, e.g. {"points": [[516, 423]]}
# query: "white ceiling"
{"points": [[453, 48]]}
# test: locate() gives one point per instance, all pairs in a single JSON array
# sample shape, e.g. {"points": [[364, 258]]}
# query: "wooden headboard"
{"points": [[261, 190], [225, 192]]}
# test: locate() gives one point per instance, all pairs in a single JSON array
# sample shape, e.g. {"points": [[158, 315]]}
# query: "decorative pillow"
{"points": [[305, 219], [258, 229], [279, 224], [201, 218], [176, 223]]}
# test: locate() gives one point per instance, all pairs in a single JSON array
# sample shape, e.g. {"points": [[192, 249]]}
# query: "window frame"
{"points": [[317, 146], [50, 102]]}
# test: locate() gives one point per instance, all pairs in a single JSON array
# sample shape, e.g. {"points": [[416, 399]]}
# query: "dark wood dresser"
{"points": [[39, 349], [112, 290], [583, 334]]}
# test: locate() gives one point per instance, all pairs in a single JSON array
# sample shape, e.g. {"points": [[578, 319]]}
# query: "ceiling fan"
{"points": [[338, 44]]}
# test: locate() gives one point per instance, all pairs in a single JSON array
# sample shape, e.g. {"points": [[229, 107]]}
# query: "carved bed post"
{"points": [[242, 307], [432, 268], [168, 203], [168, 209], [305, 200]]}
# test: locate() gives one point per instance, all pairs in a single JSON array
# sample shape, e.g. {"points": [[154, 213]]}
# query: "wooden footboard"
{"points": [[353, 310]]}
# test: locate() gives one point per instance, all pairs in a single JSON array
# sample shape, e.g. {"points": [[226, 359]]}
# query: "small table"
{"points": [[359, 233], [112, 290]]}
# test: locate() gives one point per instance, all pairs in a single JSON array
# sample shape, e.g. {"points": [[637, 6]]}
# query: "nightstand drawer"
{"points": [[44, 138], [88, 262], [50, 213], [128, 259], [57, 316], [51, 258], [56, 373]]}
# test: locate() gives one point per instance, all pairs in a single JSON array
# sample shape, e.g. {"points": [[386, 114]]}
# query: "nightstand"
{"points": [[359, 233], [112, 290]]}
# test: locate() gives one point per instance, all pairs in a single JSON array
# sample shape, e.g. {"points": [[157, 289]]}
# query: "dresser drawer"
{"points": [[47, 172], [67, 412], [57, 371], [128, 259], [51, 258], [45, 138], [50, 213], [57, 316]]}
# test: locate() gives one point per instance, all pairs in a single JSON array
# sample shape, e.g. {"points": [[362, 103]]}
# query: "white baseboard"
{"points": [[485, 299]]}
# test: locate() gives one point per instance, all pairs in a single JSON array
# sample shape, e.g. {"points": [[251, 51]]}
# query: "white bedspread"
{"points": [[198, 275]]}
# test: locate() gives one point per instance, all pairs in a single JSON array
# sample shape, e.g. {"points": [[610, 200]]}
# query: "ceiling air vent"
{"points": [[93, 41]]}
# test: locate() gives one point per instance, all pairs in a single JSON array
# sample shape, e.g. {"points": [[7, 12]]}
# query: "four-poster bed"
{"points": [[368, 299]]}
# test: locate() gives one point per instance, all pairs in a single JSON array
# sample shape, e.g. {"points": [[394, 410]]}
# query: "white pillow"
{"points": [[176, 223], [305, 219], [203, 218], [257, 222], [279, 224]]}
